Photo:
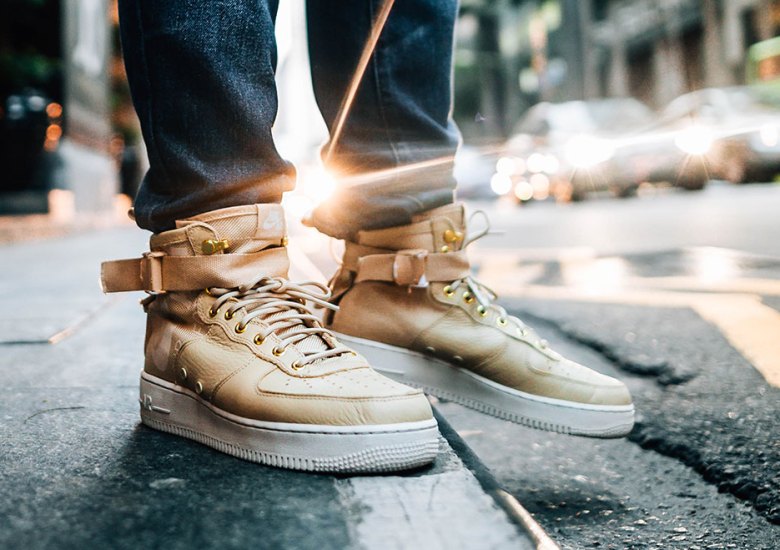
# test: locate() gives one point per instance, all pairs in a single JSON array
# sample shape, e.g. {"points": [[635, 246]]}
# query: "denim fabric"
{"points": [[402, 112], [202, 79]]}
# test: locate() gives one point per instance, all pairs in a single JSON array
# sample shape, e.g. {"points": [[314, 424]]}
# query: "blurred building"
{"points": [[657, 50], [513, 53], [56, 107]]}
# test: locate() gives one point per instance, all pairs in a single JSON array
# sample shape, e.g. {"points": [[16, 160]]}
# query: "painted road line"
{"points": [[479, 254], [763, 287], [751, 327]]}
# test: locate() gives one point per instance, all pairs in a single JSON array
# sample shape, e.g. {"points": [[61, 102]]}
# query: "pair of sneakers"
{"points": [[238, 358]]}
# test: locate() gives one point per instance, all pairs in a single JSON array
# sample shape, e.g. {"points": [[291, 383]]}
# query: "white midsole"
{"points": [[289, 427], [445, 380], [174, 405]]}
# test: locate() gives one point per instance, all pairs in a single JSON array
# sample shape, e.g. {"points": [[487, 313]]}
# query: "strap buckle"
{"points": [[409, 268], [152, 271]]}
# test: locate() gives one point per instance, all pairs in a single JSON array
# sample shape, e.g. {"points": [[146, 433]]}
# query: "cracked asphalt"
{"points": [[677, 294]]}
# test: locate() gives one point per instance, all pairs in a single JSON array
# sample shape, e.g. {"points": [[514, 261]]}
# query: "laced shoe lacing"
{"points": [[485, 297], [283, 309]]}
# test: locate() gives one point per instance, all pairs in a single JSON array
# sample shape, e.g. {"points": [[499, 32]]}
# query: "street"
{"points": [[619, 163], [677, 294]]}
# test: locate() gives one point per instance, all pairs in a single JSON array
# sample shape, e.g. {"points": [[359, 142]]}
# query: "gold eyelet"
{"points": [[445, 249], [228, 315], [285, 241], [240, 329], [468, 297], [212, 312], [183, 374], [207, 291], [448, 291], [482, 311], [198, 388], [296, 366], [501, 322], [278, 351], [258, 339]]}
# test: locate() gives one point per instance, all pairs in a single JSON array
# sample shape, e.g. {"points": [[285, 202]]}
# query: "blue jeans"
{"points": [[201, 75]]}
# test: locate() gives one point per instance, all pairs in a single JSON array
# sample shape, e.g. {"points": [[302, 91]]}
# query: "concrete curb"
{"points": [[517, 513]]}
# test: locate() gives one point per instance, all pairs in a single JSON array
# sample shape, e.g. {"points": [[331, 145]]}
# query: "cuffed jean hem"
{"points": [[158, 213], [368, 204]]}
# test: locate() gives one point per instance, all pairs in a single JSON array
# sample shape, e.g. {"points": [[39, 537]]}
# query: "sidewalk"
{"points": [[77, 469]]}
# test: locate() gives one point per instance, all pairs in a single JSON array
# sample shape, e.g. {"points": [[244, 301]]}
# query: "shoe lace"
{"points": [[283, 307], [485, 296]]}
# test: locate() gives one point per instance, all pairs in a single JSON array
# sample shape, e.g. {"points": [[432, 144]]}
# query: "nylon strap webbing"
{"points": [[412, 267], [158, 272]]}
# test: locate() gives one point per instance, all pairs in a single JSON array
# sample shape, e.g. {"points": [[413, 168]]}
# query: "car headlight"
{"points": [[770, 136], [586, 152], [524, 191], [501, 184], [505, 166], [694, 141]]}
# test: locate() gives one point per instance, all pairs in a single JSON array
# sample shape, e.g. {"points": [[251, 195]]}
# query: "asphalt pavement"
{"points": [[676, 293], [78, 470]]}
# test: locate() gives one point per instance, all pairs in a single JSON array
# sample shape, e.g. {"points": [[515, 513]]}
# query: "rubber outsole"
{"points": [[334, 449], [453, 383]]}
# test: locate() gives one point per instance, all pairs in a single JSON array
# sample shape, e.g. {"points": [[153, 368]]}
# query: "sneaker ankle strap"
{"points": [[412, 267], [159, 272]]}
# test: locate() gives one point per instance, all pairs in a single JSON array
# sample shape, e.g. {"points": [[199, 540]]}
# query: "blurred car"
{"points": [[561, 150], [727, 133], [676, 147], [744, 127], [30, 131]]}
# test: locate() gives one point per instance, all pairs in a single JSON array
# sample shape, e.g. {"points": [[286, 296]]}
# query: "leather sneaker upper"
{"points": [[225, 323], [410, 286]]}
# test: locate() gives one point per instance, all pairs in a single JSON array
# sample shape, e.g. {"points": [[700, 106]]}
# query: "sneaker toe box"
{"points": [[355, 397]]}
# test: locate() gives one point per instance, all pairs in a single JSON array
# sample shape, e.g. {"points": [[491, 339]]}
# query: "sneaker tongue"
{"points": [[248, 228], [251, 229], [311, 344]]}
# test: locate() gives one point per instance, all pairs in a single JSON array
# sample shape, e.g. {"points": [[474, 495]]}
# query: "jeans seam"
{"points": [[379, 90], [150, 110]]}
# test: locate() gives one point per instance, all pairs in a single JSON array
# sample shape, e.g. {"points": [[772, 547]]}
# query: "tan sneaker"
{"points": [[408, 304], [236, 359]]}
